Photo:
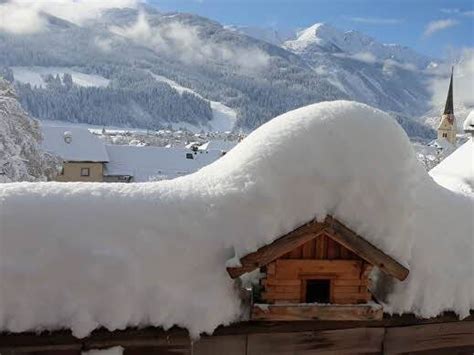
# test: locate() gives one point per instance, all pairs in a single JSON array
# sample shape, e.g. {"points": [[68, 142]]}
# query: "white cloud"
{"points": [[104, 44], [24, 16], [365, 57], [19, 19], [450, 11], [463, 80], [455, 11], [389, 65], [183, 42], [439, 25], [377, 20]]}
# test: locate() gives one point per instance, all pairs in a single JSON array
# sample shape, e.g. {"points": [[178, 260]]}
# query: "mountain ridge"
{"points": [[257, 79], [328, 38]]}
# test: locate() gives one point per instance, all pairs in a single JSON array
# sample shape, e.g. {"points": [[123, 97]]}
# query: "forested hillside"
{"points": [[129, 48], [134, 102]]}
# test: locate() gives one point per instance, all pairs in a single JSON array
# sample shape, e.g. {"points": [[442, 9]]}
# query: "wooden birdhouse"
{"points": [[318, 271]]}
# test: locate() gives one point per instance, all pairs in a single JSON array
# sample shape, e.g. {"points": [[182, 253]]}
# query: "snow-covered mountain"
{"points": [[267, 34], [140, 59], [322, 37], [391, 77]]}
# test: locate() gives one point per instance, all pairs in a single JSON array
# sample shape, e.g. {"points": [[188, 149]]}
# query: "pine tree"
{"points": [[21, 158]]}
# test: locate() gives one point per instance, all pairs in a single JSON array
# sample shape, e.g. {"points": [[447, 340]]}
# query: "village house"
{"points": [[84, 155], [141, 164], [87, 158], [469, 124], [456, 172]]}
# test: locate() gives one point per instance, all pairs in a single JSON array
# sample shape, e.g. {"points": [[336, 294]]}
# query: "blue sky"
{"points": [[390, 21]]}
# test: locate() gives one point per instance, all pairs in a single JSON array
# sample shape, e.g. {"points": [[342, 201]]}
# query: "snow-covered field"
{"points": [[35, 76], [224, 117], [84, 255], [92, 128]]}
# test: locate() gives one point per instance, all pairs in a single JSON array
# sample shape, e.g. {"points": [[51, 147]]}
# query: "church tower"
{"points": [[447, 126]]}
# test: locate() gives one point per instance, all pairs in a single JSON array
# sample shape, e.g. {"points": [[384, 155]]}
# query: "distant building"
{"points": [[141, 164], [447, 126], [84, 155], [456, 172], [469, 124], [217, 145], [88, 158]]}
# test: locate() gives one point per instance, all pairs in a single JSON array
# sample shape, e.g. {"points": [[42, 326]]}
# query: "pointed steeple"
{"points": [[447, 125], [449, 108]]}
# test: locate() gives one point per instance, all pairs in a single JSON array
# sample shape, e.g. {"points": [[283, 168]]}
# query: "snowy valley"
{"points": [[121, 62]]}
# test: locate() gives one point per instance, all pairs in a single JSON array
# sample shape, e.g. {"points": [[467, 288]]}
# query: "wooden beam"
{"points": [[444, 338], [352, 241], [330, 342], [153, 336], [315, 312], [279, 247], [228, 345]]}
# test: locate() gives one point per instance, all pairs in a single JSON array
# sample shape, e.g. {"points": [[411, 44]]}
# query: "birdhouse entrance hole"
{"points": [[318, 291]]}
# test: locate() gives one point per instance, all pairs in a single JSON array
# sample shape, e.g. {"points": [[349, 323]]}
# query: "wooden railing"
{"points": [[391, 335]]}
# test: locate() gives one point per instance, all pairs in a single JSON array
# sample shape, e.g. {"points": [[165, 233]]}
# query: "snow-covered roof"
{"points": [[155, 163], [191, 145], [443, 144], [456, 172], [219, 144], [73, 144], [84, 255], [469, 123]]}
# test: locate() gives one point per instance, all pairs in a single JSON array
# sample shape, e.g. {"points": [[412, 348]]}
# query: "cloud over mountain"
{"points": [[24, 16], [463, 80], [184, 42]]}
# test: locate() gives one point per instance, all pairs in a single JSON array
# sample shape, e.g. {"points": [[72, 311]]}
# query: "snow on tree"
{"points": [[67, 80], [21, 158]]}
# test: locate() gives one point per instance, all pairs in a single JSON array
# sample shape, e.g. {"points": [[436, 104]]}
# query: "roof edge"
{"points": [[336, 231]]}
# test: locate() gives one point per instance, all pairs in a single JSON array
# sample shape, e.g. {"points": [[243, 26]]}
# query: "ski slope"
{"points": [[224, 117], [35, 76]]}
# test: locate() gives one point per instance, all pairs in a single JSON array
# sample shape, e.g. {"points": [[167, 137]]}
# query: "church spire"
{"points": [[449, 108], [447, 126]]}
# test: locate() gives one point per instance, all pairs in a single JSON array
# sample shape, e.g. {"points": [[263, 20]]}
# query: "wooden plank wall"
{"points": [[392, 335], [322, 247], [285, 277]]}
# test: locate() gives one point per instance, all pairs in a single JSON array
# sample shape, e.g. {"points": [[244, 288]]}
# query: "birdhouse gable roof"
{"points": [[307, 232]]}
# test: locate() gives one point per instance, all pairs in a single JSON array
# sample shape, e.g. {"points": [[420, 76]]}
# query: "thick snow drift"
{"points": [[456, 172], [83, 255]]}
